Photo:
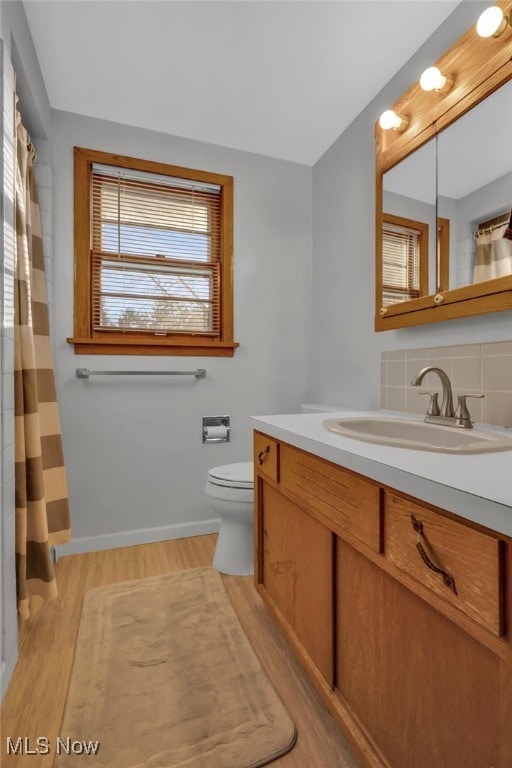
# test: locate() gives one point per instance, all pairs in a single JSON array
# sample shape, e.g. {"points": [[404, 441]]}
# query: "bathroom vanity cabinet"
{"points": [[399, 611]]}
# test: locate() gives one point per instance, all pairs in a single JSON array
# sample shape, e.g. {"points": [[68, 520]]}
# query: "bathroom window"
{"points": [[153, 258], [404, 259]]}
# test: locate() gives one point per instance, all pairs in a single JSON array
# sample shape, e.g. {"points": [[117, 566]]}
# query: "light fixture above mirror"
{"points": [[491, 23]]}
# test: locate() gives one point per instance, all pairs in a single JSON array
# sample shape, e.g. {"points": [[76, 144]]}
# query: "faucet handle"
{"points": [[433, 404], [462, 415]]}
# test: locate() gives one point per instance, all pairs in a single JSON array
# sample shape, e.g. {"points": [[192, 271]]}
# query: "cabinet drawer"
{"points": [[469, 562], [266, 456], [349, 502]]}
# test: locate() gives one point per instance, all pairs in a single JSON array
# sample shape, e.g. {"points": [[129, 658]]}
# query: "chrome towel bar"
{"points": [[84, 373]]}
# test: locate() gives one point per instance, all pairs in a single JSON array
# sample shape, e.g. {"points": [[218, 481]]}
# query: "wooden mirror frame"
{"points": [[478, 66]]}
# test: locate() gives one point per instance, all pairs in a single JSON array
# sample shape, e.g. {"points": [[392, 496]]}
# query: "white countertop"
{"points": [[477, 487]]}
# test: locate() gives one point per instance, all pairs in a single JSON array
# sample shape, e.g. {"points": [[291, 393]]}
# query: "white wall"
{"points": [[33, 100], [345, 359], [133, 446]]}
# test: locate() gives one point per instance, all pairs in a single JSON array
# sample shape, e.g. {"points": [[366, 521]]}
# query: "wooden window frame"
{"points": [[88, 341], [422, 228]]}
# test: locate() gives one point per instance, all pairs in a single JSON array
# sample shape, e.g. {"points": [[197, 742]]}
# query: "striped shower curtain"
{"points": [[493, 253], [42, 512]]}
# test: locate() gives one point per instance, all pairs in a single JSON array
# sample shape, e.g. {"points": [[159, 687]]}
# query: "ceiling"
{"points": [[280, 78]]}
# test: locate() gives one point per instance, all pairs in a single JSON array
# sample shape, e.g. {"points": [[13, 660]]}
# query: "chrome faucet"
{"points": [[445, 415], [447, 404]]}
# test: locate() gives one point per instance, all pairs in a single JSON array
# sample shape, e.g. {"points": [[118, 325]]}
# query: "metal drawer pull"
{"points": [[262, 454], [448, 579]]}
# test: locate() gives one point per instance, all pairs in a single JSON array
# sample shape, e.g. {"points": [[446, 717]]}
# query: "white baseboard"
{"points": [[139, 536]]}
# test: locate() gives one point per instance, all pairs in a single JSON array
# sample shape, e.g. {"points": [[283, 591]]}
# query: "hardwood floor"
{"points": [[34, 703]]}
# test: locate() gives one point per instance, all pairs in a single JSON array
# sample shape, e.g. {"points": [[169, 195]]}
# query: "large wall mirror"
{"points": [[444, 194]]}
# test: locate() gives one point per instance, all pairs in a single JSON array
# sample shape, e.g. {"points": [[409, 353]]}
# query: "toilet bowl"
{"points": [[230, 489]]}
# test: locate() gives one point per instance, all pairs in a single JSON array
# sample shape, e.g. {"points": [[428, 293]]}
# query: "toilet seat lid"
{"points": [[238, 475]]}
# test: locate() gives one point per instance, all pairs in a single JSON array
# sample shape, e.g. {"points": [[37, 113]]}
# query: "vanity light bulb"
{"points": [[389, 119], [491, 22], [432, 80]]}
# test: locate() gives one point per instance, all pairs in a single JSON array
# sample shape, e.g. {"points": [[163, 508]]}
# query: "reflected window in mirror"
{"points": [[404, 259], [409, 218], [475, 190]]}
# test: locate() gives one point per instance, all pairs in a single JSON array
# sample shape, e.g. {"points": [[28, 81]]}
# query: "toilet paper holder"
{"points": [[216, 429]]}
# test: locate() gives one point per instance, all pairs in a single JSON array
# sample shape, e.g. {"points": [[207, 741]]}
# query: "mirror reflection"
{"points": [[409, 242], [474, 157]]}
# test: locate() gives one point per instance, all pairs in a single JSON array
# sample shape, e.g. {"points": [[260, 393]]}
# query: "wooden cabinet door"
{"points": [[297, 574], [427, 693]]}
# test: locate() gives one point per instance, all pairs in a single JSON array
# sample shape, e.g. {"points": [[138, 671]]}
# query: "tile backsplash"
{"points": [[474, 368]]}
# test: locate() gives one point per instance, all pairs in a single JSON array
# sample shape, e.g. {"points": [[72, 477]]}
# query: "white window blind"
{"points": [[155, 253], [400, 264]]}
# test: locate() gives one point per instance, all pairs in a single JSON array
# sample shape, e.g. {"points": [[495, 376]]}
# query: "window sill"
{"points": [[195, 348]]}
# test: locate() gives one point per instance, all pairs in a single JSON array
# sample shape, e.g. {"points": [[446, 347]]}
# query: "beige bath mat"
{"points": [[164, 676]]}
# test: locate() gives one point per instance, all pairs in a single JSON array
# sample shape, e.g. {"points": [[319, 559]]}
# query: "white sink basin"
{"points": [[418, 435]]}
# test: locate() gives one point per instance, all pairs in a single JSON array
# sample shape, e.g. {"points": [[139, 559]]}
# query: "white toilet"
{"points": [[230, 489]]}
